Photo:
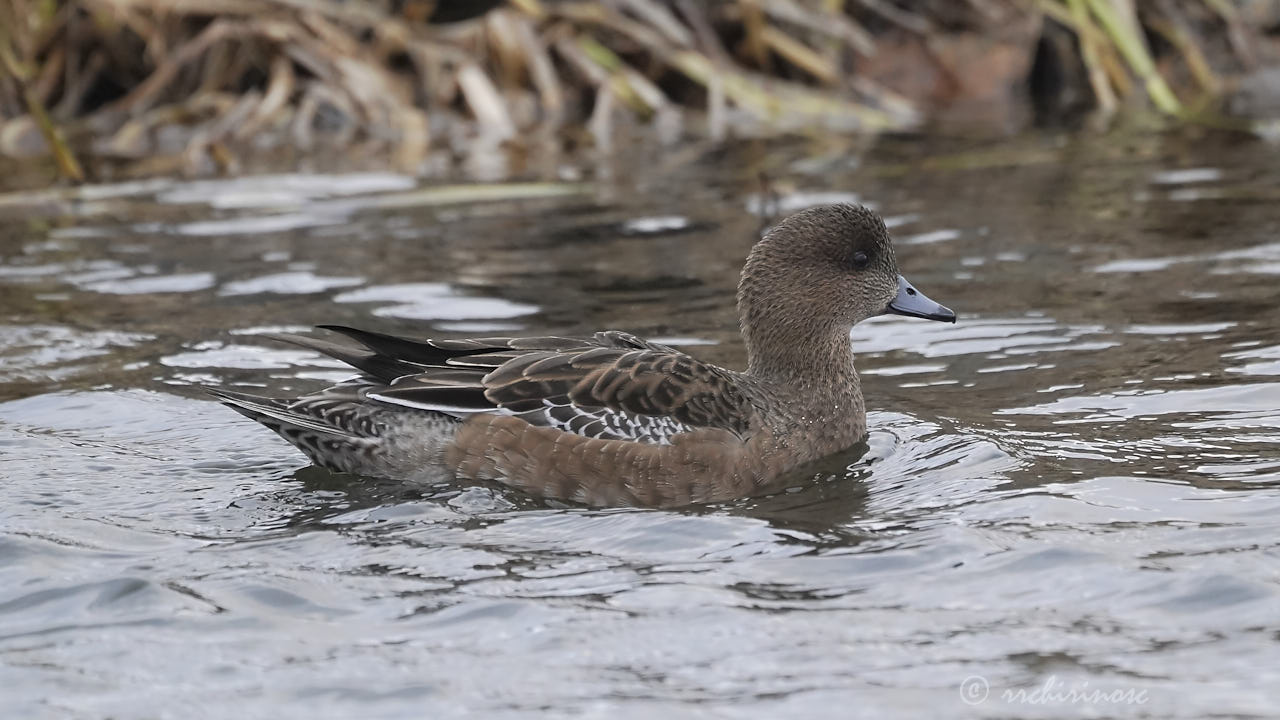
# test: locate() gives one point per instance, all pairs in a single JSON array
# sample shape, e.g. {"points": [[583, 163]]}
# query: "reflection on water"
{"points": [[1080, 480], [434, 301]]}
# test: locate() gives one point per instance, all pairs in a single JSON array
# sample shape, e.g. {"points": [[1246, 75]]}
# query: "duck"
{"points": [[614, 419]]}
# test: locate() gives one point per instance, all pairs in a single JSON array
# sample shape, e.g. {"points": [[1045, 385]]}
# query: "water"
{"points": [[1072, 494]]}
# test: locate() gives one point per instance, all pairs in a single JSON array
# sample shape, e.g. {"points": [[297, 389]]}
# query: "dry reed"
{"points": [[210, 81]]}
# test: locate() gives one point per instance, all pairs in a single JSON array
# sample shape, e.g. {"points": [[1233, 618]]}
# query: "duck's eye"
{"points": [[860, 260]]}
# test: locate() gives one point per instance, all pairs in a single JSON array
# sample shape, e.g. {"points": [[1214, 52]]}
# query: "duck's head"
{"points": [[818, 273]]}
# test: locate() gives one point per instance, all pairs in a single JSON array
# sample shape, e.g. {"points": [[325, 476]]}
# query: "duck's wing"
{"points": [[613, 385]]}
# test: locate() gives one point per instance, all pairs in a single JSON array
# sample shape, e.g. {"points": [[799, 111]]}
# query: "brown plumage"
{"points": [[614, 419]]}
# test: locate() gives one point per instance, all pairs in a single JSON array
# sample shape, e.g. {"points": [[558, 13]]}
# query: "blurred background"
{"points": [[120, 88]]}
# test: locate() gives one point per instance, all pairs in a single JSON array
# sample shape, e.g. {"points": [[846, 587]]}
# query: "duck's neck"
{"points": [[804, 354], [792, 335]]}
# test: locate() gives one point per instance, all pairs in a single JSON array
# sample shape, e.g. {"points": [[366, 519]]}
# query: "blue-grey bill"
{"points": [[913, 303]]}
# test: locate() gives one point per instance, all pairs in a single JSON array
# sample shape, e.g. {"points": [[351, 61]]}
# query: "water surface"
{"points": [[1078, 483]]}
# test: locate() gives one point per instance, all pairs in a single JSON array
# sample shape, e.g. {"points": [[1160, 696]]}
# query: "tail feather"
{"points": [[383, 367], [275, 414], [348, 436]]}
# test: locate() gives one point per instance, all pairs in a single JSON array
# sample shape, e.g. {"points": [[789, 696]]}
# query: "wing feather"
{"points": [[614, 385]]}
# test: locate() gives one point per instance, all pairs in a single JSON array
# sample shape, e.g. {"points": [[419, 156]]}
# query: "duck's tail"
{"points": [[321, 439], [339, 432], [276, 414]]}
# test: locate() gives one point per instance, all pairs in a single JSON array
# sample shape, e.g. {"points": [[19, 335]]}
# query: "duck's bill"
{"points": [[913, 303]]}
